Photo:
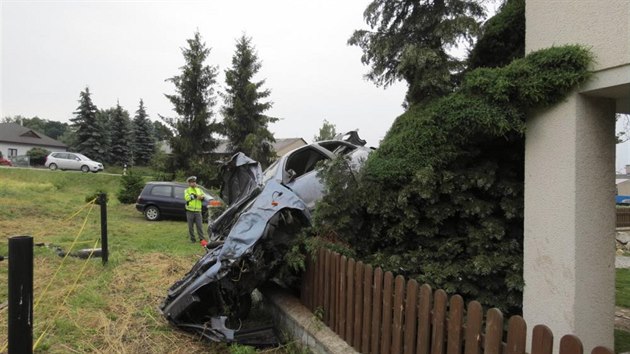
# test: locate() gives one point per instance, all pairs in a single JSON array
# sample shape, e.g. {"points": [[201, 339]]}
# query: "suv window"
{"points": [[163, 191], [72, 157], [179, 192], [61, 155]]}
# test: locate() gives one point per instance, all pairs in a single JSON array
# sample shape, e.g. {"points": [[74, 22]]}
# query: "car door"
{"points": [[162, 196], [73, 162], [62, 161], [179, 203]]}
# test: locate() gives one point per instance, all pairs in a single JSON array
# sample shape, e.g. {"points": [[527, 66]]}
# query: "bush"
{"points": [[37, 155], [441, 200], [131, 186]]}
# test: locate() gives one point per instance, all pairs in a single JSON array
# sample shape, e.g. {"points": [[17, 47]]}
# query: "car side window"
{"points": [[304, 161], [60, 156], [71, 157], [162, 191], [179, 192]]}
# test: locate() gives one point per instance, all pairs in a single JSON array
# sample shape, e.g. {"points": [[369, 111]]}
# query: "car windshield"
{"points": [[270, 172]]}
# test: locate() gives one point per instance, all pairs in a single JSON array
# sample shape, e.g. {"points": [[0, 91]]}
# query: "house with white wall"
{"points": [[16, 140]]}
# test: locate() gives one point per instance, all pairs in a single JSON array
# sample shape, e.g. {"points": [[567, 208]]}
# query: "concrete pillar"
{"points": [[570, 174], [569, 220]]}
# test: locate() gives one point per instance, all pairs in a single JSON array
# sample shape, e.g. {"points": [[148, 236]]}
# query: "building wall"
{"points": [[22, 148], [570, 174]]}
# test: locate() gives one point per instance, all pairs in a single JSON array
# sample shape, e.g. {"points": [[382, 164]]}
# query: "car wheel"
{"points": [[85, 169], [152, 213], [52, 166]]}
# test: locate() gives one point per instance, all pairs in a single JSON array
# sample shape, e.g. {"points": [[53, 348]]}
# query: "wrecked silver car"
{"points": [[249, 240]]}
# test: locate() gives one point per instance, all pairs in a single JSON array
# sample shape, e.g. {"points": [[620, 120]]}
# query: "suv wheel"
{"points": [[85, 169], [52, 166], [152, 213]]}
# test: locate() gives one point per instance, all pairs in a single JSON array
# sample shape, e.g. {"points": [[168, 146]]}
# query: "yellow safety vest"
{"points": [[193, 204]]}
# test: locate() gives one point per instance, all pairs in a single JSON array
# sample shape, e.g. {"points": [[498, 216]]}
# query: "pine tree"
{"points": [[143, 145], [243, 112], [88, 135], [193, 102], [103, 121], [121, 136], [409, 40]]}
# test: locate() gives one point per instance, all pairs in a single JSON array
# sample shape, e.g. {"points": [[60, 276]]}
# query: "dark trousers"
{"points": [[194, 219]]}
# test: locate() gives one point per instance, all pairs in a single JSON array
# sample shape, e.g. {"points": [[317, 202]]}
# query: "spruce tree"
{"points": [[409, 40], [103, 121], [193, 102], [120, 137], [243, 112], [143, 145], [88, 134]]}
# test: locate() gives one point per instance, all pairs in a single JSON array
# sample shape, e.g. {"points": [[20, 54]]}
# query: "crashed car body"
{"points": [[266, 212]]}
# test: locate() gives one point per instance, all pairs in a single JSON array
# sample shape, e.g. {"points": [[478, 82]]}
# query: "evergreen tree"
{"points": [[193, 102], [160, 131], [88, 134], [143, 145], [326, 132], [120, 136], [104, 122], [409, 40], [243, 112]]}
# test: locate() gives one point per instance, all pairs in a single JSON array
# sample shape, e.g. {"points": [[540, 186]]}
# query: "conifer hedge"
{"points": [[441, 200]]}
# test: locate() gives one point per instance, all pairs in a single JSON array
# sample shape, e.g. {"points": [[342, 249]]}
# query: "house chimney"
{"points": [[628, 169]]}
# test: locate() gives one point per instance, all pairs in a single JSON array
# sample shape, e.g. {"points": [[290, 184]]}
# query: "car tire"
{"points": [[152, 213], [85, 169], [52, 166]]}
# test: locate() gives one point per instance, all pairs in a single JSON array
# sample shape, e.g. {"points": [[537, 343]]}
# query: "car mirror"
{"points": [[291, 175]]}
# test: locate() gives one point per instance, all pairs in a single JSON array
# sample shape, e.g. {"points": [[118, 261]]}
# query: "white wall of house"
{"points": [[569, 267], [23, 148]]}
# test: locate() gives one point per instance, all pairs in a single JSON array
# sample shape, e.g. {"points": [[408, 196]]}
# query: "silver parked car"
{"points": [[72, 161]]}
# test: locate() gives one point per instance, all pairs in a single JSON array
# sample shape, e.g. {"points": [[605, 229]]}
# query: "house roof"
{"points": [[15, 133]]}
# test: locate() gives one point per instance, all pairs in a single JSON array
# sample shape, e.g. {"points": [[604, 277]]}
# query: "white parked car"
{"points": [[72, 161]]}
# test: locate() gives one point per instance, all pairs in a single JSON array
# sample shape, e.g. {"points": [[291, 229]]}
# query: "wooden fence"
{"points": [[623, 217], [375, 312]]}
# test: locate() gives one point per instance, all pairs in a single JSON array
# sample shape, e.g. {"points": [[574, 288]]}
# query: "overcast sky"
{"points": [[124, 51]]}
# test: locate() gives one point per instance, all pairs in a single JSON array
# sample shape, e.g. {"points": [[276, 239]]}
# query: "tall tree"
{"points": [[89, 136], [193, 102], [161, 131], [326, 132], [410, 39], [121, 153], [104, 122], [143, 145], [245, 123]]}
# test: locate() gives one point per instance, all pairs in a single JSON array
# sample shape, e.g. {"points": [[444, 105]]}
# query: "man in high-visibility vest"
{"points": [[194, 196]]}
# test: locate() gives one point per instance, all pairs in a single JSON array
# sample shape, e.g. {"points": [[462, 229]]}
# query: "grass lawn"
{"points": [[82, 306]]}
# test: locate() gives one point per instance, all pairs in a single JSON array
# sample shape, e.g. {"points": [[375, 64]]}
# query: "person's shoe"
{"points": [[192, 240]]}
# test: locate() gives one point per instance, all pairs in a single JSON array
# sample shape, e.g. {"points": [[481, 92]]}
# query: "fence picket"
{"points": [[326, 285], [334, 297], [358, 305], [399, 306], [377, 303], [516, 336], [349, 301], [494, 332], [570, 344], [386, 334], [424, 320], [341, 324], [601, 350], [321, 270], [368, 290], [455, 323], [411, 306], [474, 318], [439, 321], [542, 340]]}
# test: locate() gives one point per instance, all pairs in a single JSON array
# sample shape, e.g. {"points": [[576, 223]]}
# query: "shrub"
{"points": [[130, 187], [37, 155]]}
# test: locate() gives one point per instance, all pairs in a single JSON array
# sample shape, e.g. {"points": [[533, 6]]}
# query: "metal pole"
{"points": [[21, 294], [102, 198]]}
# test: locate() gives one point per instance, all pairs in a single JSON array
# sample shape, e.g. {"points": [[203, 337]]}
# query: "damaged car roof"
{"points": [[249, 240]]}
